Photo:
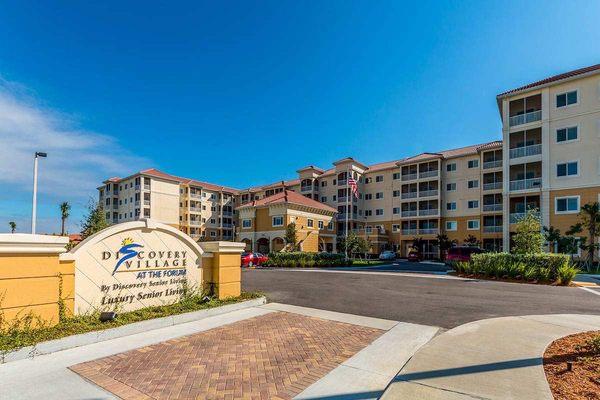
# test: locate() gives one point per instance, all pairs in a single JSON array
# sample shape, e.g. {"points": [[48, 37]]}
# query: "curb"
{"points": [[83, 339]]}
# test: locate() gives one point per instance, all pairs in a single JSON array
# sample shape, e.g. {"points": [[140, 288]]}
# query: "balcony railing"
{"points": [[137, 202], [492, 164], [146, 202], [115, 206], [410, 213], [526, 151], [115, 220], [195, 209], [342, 199], [525, 118], [409, 177], [492, 207], [429, 211], [409, 195], [410, 231], [492, 228], [227, 225], [428, 174], [533, 183], [195, 195], [515, 217], [195, 223], [137, 187], [342, 216], [492, 185], [146, 186], [429, 231], [227, 213], [428, 193], [306, 188], [342, 182]]}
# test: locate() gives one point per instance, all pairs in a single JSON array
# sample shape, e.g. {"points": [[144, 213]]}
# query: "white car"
{"points": [[387, 255]]}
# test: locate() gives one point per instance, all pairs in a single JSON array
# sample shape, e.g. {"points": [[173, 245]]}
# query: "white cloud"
{"points": [[78, 160]]}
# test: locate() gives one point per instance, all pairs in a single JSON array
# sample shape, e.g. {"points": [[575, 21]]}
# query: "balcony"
{"points": [[195, 209], [409, 177], [492, 164], [492, 228], [227, 225], [526, 151], [429, 211], [137, 187], [115, 221], [413, 231], [227, 213], [526, 118], [515, 217], [409, 195], [428, 174], [429, 231], [146, 186], [146, 202], [342, 216], [409, 213], [342, 182], [492, 186], [492, 207], [342, 199], [523, 184], [306, 188], [137, 202], [428, 193], [195, 195], [195, 223], [115, 206]]}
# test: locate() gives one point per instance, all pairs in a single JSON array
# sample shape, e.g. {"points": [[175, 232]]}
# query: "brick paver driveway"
{"points": [[274, 356]]}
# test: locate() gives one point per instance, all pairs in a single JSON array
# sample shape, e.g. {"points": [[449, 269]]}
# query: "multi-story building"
{"points": [[548, 158]]}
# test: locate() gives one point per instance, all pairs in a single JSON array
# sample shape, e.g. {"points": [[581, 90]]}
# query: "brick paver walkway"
{"points": [[274, 356]]}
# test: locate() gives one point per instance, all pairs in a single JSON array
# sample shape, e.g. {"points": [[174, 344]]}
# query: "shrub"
{"points": [[305, 260], [542, 266]]}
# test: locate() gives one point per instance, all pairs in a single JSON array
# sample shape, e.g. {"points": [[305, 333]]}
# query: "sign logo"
{"points": [[128, 252]]}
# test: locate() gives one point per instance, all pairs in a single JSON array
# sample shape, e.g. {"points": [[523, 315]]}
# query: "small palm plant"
{"points": [[590, 221], [65, 209], [13, 226]]}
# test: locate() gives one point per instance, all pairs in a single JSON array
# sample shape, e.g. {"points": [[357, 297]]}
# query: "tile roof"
{"points": [[555, 78], [289, 197]]}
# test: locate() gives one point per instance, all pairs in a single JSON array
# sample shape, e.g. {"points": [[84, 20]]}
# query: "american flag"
{"points": [[353, 186]]}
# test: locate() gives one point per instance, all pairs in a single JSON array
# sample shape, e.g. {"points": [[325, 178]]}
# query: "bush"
{"points": [[305, 260], [529, 267]]}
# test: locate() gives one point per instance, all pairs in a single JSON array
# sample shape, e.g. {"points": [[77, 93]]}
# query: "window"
{"points": [[396, 175], [566, 205], [368, 213], [396, 193], [334, 182], [473, 224], [323, 183], [278, 221], [213, 221], [368, 229], [451, 167], [570, 168], [473, 163], [396, 210], [368, 196], [566, 134], [213, 234], [323, 199], [334, 197], [379, 195], [330, 226], [566, 99], [451, 206], [379, 178], [368, 180], [473, 204], [320, 224], [379, 211], [473, 184], [246, 223], [310, 223], [450, 187], [395, 228], [451, 225]]}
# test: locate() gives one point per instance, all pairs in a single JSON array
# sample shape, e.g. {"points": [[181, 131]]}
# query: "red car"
{"points": [[250, 259], [414, 256], [461, 254]]}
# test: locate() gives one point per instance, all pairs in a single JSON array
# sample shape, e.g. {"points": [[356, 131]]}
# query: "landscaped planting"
{"points": [[542, 267], [300, 259]]}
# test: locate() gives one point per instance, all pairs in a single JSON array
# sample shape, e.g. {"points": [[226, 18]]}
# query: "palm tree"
{"points": [[13, 226], [553, 237], [65, 208], [590, 221]]}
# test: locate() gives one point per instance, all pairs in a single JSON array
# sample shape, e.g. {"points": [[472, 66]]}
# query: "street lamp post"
{"points": [[35, 171]]}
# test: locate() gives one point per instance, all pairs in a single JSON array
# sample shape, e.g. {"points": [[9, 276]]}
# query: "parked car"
{"points": [[250, 259], [414, 256], [461, 254], [387, 255]]}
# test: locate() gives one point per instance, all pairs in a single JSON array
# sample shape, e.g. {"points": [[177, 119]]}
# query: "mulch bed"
{"points": [[583, 381]]}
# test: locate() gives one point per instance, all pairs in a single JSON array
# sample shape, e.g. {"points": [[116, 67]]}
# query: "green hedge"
{"points": [[305, 260], [544, 267]]}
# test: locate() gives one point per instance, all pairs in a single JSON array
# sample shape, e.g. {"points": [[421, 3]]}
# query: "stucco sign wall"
{"points": [[134, 265]]}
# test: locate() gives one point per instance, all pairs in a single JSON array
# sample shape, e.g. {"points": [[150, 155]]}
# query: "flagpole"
{"points": [[347, 199]]}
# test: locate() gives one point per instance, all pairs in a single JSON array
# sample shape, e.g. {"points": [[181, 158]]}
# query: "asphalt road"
{"points": [[425, 300]]}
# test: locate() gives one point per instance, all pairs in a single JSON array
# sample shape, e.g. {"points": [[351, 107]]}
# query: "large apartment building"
{"points": [[548, 158]]}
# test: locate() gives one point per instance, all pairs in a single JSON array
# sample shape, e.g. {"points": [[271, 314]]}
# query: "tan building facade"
{"points": [[548, 158]]}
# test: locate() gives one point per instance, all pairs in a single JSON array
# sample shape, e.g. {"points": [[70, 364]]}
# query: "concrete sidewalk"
{"points": [[499, 358]]}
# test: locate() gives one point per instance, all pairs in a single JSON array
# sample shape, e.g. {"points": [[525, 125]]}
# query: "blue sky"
{"points": [[244, 93]]}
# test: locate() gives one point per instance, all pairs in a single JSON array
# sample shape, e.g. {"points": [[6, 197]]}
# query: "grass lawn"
{"points": [[20, 333]]}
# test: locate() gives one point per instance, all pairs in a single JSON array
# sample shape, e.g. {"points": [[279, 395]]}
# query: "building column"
{"points": [[546, 167], [505, 176], [221, 267]]}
